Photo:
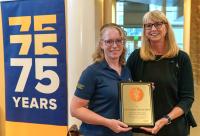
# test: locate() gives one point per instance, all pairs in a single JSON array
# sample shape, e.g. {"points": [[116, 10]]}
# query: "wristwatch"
{"points": [[168, 118]]}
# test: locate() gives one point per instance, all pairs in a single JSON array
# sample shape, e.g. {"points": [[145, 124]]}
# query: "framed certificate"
{"points": [[136, 104]]}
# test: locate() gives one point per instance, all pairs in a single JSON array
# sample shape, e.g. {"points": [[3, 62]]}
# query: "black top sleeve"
{"points": [[185, 84]]}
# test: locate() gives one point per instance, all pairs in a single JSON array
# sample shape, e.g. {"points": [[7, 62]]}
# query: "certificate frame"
{"points": [[136, 104]]}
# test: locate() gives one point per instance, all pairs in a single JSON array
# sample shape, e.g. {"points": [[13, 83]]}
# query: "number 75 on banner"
{"points": [[39, 39]]}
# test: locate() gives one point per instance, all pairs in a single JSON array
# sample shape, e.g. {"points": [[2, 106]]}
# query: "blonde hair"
{"points": [[172, 47], [99, 53]]}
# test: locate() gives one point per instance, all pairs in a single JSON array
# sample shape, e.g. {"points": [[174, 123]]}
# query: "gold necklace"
{"points": [[158, 58]]}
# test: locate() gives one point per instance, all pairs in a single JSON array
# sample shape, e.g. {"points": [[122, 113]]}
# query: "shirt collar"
{"points": [[104, 64]]}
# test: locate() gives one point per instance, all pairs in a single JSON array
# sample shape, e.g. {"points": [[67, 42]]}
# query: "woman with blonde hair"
{"points": [[160, 61], [95, 101]]}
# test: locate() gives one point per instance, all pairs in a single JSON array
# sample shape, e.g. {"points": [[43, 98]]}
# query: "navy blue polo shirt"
{"points": [[99, 84]]}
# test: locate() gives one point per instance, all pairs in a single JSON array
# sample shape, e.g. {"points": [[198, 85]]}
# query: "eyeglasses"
{"points": [[111, 42], [157, 25]]}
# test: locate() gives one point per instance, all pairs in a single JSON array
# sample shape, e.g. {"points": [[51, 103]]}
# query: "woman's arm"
{"points": [[175, 113], [78, 109]]}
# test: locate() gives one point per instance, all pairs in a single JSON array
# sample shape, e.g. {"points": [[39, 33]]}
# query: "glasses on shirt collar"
{"points": [[111, 42], [157, 25]]}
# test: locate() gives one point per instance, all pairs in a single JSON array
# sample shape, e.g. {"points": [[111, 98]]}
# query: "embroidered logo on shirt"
{"points": [[80, 86]]}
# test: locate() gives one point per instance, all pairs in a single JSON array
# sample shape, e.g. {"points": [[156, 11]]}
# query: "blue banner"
{"points": [[35, 61]]}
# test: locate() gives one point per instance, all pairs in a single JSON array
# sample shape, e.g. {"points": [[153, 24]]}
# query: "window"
{"points": [[129, 14]]}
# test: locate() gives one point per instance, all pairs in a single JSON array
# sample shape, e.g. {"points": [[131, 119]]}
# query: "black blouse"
{"points": [[173, 82]]}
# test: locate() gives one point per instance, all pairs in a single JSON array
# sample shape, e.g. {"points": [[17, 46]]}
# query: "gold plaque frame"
{"points": [[136, 104]]}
